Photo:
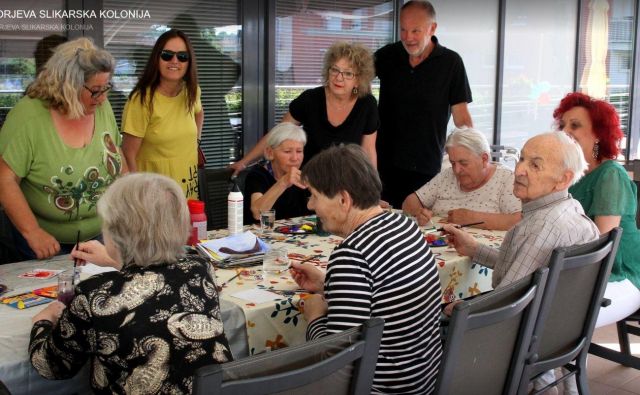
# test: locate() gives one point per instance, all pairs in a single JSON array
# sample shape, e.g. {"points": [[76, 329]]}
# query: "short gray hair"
{"points": [[63, 76], [424, 5], [147, 217], [344, 168], [285, 131], [572, 155], [469, 138]]}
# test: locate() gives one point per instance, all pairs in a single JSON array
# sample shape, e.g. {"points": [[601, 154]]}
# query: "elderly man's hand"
{"points": [[315, 306], [461, 216], [463, 242]]}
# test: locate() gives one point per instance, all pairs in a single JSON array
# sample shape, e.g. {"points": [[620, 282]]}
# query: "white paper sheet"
{"points": [[257, 296], [93, 269]]}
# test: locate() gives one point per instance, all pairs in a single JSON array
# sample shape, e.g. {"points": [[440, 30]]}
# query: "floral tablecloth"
{"points": [[280, 323]]}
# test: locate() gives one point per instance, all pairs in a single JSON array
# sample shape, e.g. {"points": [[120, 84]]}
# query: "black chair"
{"points": [[488, 337], [8, 252], [213, 188], [624, 356], [343, 363], [572, 298]]}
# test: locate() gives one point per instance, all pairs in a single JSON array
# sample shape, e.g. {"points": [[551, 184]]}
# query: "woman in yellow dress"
{"points": [[162, 120]]}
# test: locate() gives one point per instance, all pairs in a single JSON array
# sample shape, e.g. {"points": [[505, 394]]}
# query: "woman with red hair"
{"points": [[606, 193]]}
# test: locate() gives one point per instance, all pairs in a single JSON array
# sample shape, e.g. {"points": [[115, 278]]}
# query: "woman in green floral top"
{"points": [[607, 195]]}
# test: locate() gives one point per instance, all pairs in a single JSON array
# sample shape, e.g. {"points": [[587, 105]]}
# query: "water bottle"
{"points": [[198, 221], [235, 207]]}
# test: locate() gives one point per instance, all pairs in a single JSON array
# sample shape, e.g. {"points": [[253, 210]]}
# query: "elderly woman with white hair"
{"points": [[277, 184], [473, 189], [148, 326]]}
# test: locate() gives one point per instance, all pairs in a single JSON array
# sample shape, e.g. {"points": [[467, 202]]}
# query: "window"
{"points": [[304, 30], [475, 40], [19, 37], [215, 31], [605, 55], [540, 42]]}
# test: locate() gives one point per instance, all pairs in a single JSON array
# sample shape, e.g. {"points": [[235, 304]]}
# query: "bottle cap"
{"points": [[195, 206], [235, 187]]}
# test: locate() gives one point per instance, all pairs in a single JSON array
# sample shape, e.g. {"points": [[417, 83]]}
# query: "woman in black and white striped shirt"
{"points": [[383, 268]]}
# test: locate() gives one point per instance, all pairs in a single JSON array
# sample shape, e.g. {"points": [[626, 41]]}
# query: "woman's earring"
{"points": [[354, 90], [596, 150]]}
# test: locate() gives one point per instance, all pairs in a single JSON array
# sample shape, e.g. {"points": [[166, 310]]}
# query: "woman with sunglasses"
{"points": [[162, 120], [342, 110], [59, 150]]}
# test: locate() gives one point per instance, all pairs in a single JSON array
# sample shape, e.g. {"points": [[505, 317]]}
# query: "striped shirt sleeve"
{"points": [[348, 290]]}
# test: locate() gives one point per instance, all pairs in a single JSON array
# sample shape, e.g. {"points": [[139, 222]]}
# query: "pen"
{"points": [[462, 226]]}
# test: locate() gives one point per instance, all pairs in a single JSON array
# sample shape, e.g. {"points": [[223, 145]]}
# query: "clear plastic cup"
{"points": [[267, 220], [66, 283], [275, 261]]}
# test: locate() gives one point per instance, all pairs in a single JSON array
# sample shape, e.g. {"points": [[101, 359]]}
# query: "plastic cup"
{"points": [[267, 220], [275, 261], [65, 286]]}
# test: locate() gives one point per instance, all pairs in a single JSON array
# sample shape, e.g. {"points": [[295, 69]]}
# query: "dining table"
{"points": [[271, 304], [259, 312]]}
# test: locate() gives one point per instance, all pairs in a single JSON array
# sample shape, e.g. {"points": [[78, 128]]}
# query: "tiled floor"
{"points": [[606, 377]]}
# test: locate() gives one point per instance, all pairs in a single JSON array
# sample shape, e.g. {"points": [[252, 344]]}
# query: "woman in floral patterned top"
{"points": [[148, 326]]}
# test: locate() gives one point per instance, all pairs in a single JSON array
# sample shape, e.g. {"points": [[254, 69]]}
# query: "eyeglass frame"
{"points": [[182, 56], [334, 72], [98, 93]]}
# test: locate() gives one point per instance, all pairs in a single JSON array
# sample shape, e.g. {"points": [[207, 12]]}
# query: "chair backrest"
{"points": [[573, 295], [343, 363], [488, 338], [213, 188]]}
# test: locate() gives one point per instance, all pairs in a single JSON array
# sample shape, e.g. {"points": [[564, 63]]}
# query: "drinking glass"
{"points": [[66, 283], [267, 220], [275, 261]]}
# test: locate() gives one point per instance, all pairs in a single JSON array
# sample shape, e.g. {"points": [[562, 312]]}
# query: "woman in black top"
{"points": [[277, 184], [342, 110]]}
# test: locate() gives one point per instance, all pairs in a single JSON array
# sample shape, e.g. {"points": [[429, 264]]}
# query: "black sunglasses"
{"points": [[167, 55]]}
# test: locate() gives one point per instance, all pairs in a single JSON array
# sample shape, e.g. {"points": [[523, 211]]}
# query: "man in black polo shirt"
{"points": [[421, 85]]}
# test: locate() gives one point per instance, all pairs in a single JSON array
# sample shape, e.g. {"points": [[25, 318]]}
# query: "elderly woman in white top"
{"points": [[473, 189]]}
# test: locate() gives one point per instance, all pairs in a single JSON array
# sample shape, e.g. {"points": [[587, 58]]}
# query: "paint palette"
{"points": [[436, 241], [297, 229]]}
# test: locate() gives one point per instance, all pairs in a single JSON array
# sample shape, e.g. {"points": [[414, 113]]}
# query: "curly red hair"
{"points": [[604, 121]]}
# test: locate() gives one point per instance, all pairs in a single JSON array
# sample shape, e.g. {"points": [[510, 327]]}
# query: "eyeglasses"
{"points": [[99, 92], [347, 75], [167, 55]]}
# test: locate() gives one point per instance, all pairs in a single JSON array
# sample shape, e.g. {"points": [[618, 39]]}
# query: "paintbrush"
{"points": [[462, 226], [75, 260], [238, 273], [312, 257]]}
